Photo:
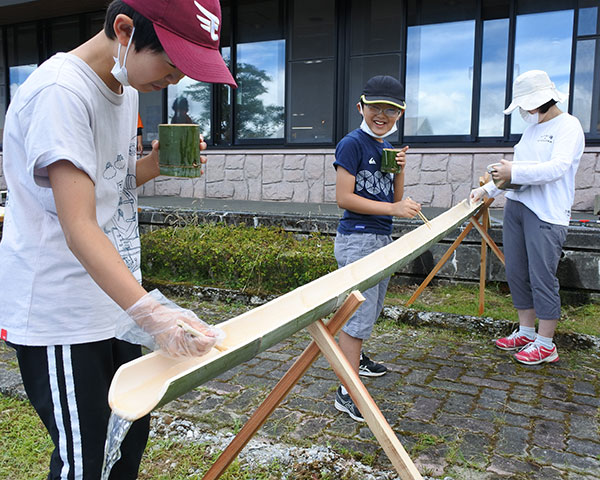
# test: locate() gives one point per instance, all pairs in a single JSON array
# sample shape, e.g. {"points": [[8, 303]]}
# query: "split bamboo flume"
{"points": [[153, 380]]}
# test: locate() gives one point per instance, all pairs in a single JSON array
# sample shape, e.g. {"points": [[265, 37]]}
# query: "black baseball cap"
{"points": [[384, 89]]}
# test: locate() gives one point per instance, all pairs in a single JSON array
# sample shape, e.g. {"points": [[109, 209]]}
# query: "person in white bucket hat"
{"points": [[532, 90], [536, 215]]}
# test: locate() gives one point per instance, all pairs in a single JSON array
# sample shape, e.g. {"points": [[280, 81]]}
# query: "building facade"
{"points": [[300, 66]]}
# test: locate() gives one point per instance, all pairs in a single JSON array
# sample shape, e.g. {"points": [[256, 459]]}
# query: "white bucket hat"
{"points": [[533, 89]]}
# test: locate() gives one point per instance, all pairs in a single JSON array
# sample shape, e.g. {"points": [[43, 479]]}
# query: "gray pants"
{"points": [[532, 249], [348, 249]]}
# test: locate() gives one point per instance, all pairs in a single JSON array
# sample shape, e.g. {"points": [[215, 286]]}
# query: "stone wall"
{"points": [[434, 177]]}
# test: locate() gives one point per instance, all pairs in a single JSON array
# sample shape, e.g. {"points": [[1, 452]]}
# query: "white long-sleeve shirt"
{"points": [[555, 147]]}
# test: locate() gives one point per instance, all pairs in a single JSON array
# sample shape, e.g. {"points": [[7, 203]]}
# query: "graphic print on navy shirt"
{"points": [[360, 155]]}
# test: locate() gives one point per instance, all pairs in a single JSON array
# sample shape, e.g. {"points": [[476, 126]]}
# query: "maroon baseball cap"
{"points": [[189, 32]]}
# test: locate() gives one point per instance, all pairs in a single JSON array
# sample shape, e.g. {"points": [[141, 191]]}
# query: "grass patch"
{"points": [[464, 300], [25, 447]]}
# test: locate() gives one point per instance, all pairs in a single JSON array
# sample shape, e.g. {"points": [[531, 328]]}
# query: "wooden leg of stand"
{"points": [[281, 390], [450, 250], [439, 265], [488, 239], [373, 416], [483, 264]]}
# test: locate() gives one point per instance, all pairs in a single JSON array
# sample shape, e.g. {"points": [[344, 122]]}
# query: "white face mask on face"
{"points": [[365, 128], [120, 71], [531, 118]]}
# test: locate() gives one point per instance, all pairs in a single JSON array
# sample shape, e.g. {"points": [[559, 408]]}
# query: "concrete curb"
{"points": [[482, 325]]}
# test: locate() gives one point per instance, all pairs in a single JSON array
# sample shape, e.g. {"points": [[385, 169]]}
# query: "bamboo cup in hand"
{"points": [[179, 153]]}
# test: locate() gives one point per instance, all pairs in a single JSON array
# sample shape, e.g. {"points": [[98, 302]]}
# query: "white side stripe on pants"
{"points": [[58, 412], [73, 414]]}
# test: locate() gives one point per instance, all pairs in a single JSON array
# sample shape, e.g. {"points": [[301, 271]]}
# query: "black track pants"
{"points": [[68, 387]]}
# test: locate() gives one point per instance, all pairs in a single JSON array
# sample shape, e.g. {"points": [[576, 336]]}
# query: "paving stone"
{"points": [[454, 386], [222, 388], [458, 403], [413, 428], [568, 407], [555, 390], [485, 382], [475, 449], [585, 388], [466, 423], [512, 441], [587, 400], [281, 422], [566, 460], [308, 405], [490, 398], [549, 434], [424, 409], [502, 417], [310, 428], [449, 373], [583, 447], [524, 393], [584, 428], [507, 466]]}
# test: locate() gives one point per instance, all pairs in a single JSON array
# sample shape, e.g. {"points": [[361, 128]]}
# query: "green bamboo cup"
{"points": [[179, 153], [388, 161]]}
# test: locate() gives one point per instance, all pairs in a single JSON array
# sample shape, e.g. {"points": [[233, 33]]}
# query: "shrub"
{"points": [[265, 260]]}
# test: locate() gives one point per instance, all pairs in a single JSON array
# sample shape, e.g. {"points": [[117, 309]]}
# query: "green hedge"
{"points": [[262, 260]]}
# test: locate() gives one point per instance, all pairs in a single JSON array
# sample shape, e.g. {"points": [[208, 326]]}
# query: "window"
{"points": [[363, 68], [189, 102], [310, 116], [3, 88], [376, 26], [376, 31], [150, 110], [224, 96], [586, 95], [260, 95], [494, 62], [63, 35], [439, 68], [543, 42], [23, 54], [260, 72]]}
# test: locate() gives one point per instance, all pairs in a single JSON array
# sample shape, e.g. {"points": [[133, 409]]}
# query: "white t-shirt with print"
{"points": [[64, 112], [556, 147]]}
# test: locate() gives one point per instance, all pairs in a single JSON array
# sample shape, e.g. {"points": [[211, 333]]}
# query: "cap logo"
{"points": [[210, 22]]}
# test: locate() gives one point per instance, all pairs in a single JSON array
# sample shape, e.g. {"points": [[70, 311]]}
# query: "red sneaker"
{"points": [[534, 354], [513, 342]]}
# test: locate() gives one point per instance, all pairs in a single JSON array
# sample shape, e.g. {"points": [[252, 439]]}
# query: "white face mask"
{"points": [[531, 118], [120, 71], [365, 128]]}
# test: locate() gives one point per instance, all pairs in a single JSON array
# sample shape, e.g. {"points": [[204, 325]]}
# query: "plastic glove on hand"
{"points": [[162, 319], [476, 195]]}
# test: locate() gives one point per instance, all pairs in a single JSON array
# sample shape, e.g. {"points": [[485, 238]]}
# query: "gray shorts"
{"points": [[348, 249], [532, 249]]}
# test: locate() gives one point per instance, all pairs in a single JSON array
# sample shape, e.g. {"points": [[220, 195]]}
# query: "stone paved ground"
{"points": [[461, 407]]}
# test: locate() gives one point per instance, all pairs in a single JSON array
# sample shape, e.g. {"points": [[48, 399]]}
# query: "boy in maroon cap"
{"points": [[70, 251]]}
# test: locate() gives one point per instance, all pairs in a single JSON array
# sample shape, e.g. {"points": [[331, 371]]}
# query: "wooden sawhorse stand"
{"points": [[486, 241], [323, 342]]}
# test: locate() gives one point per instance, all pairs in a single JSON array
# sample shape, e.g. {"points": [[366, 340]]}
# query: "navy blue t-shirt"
{"points": [[360, 155]]}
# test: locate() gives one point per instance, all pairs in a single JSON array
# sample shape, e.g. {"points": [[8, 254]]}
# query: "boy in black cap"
{"points": [[370, 199]]}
